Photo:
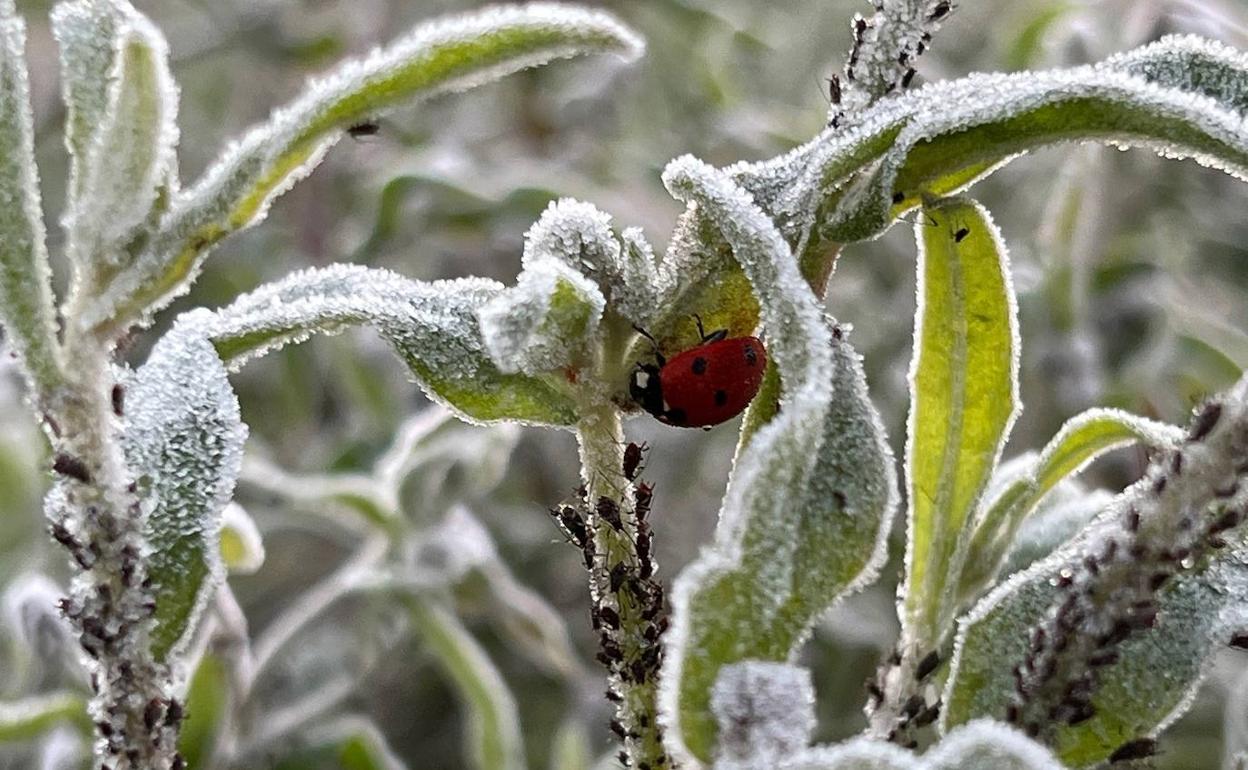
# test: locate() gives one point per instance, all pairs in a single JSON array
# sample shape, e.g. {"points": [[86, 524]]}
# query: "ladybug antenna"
{"points": [[653, 342], [714, 336]]}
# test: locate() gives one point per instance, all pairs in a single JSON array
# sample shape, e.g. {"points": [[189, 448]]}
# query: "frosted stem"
{"points": [[627, 606], [885, 49], [110, 605]]}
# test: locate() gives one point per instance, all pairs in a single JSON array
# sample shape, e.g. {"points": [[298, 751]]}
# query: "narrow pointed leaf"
{"points": [[86, 35], [964, 399], [1081, 440], [207, 699], [436, 58], [21, 720], [131, 152], [806, 513], [183, 441], [25, 278], [493, 739], [432, 326]]}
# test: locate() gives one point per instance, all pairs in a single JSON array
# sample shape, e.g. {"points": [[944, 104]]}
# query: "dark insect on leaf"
{"points": [[961, 234], [1206, 421], [364, 129], [71, 467], [1136, 749]]}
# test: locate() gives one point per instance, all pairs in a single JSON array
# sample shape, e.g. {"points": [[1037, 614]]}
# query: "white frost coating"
{"points": [[241, 531], [765, 711], [1152, 433], [459, 544], [257, 168], [62, 749], [580, 235], [987, 745], [979, 745], [432, 325], [85, 32], [131, 150], [526, 330], [183, 438]]}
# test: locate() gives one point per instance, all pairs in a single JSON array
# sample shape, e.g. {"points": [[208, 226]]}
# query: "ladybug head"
{"points": [[646, 389]]}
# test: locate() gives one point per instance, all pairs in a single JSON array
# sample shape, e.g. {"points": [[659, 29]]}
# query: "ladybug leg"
{"points": [[653, 342]]}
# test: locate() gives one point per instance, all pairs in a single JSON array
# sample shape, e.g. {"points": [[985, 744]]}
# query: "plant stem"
{"points": [[101, 524], [632, 650]]}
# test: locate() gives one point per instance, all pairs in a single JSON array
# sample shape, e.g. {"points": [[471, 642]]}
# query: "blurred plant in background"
{"points": [[380, 573]]}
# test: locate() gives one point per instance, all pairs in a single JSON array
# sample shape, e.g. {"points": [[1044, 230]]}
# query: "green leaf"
{"points": [[1081, 440], [242, 549], [31, 717], [432, 326], [570, 748], [25, 278], [183, 441], [493, 739], [963, 401], [439, 57], [207, 699], [806, 514]]}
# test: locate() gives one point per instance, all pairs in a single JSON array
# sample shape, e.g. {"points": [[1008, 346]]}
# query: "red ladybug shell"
{"points": [[705, 385]]}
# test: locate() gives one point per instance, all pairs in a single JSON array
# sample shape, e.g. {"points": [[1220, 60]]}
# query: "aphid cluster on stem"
{"points": [[628, 607], [915, 710], [1110, 592]]}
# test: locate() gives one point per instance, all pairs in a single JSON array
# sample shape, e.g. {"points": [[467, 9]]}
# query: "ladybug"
{"points": [[703, 386]]}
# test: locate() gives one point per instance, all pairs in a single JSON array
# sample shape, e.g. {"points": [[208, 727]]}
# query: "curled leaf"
{"points": [[545, 322], [432, 326], [806, 513]]}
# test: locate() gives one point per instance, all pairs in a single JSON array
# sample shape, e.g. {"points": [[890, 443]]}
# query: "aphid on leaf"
{"points": [[1136, 749], [364, 129], [703, 386]]}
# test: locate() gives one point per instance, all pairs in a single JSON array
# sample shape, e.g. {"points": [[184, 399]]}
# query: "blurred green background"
{"points": [[1131, 272]]}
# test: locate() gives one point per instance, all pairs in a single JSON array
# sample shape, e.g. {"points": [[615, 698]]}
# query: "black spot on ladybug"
{"points": [[960, 234], [699, 365], [677, 417], [751, 355], [721, 397]]}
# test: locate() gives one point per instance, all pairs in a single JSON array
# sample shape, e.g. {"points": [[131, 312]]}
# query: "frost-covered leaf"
{"points": [[545, 322], [580, 236], [494, 740], [207, 698], [129, 152], [980, 745], [1057, 518], [1082, 439], [806, 513], [25, 288], [764, 711], [1180, 96], [1168, 545], [35, 625], [86, 35], [431, 325], [242, 548], [438, 57], [963, 401], [30, 717], [183, 442]]}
